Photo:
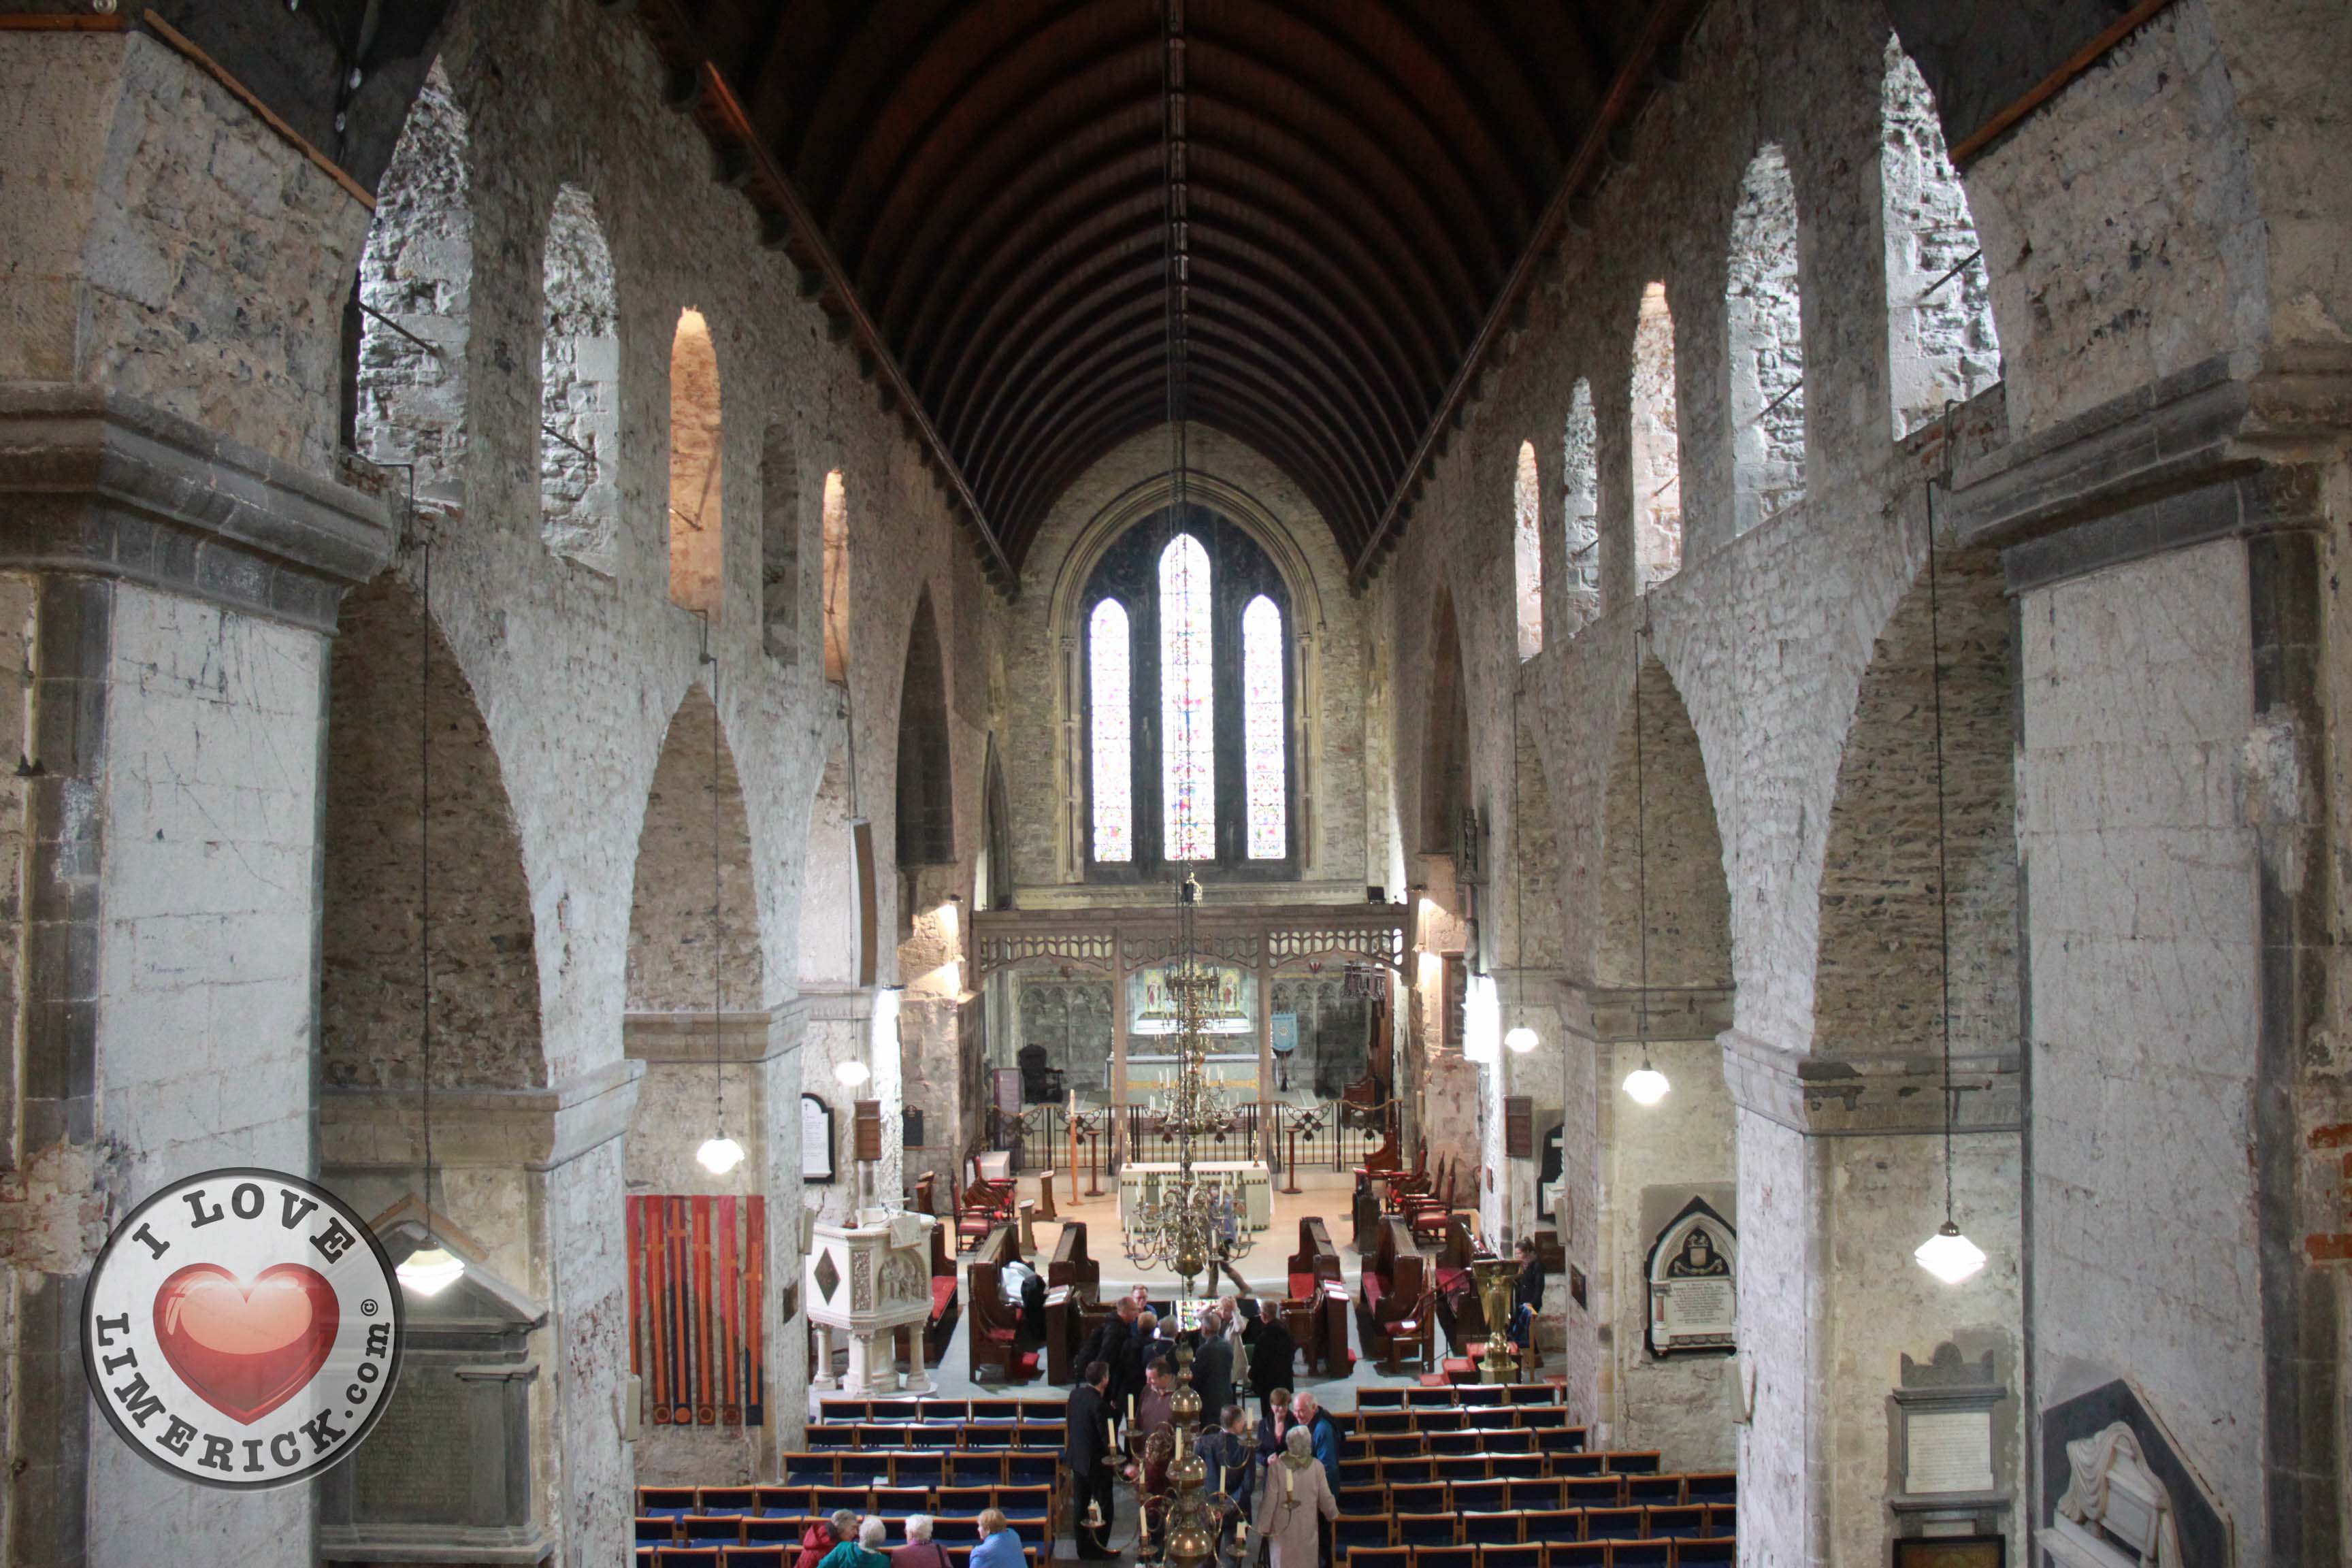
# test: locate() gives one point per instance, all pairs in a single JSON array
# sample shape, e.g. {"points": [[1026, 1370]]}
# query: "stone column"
{"points": [[2173, 559], [170, 596]]}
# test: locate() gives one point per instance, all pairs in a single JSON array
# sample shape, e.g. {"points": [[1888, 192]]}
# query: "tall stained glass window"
{"points": [[1188, 740], [1109, 683], [1264, 778]]}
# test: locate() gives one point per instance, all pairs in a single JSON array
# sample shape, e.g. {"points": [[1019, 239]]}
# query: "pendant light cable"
{"points": [[717, 928], [425, 855], [1641, 837], [1943, 883]]}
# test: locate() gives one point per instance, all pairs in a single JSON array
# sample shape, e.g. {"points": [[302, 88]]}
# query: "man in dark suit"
{"points": [[1273, 1355], [1092, 1462], [1212, 1365]]}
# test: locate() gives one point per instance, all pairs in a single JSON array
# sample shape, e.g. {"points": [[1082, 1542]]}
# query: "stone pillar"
{"points": [[170, 596], [2179, 775]]}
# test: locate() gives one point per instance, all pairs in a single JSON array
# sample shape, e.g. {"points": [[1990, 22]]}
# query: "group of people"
{"points": [[1278, 1479], [844, 1540]]}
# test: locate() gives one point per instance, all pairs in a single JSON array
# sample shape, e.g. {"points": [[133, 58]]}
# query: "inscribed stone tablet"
{"points": [[1948, 1451]]}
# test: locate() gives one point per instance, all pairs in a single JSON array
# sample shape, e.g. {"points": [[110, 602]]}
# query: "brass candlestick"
{"points": [[1492, 1276]]}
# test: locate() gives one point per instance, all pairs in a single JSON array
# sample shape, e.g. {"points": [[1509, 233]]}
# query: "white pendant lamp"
{"points": [[429, 1271], [851, 1073], [1646, 1085], [432, 1267], [1948, 1254], [719, 1156], [1520, 1041]]}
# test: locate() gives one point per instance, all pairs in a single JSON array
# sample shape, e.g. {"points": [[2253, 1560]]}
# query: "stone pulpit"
{"points": [[868, 1280]]}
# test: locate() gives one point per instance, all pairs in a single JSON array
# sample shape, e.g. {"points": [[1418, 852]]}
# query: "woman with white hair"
{"points": [[1295, 1496], [866, 1551], [921, 1551]]}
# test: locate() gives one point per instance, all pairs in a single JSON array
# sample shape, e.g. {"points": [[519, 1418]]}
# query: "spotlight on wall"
{"points": [[850, 1074], [1520, 1041], [428, 1272], [719, 1156], [1949, 1255], [1646, 1085]]}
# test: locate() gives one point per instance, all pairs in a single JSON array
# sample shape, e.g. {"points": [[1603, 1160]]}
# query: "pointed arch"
{"points": [[416, 278], [993, 875], [835, 523], [1446, 739], [1765, 315], [1657, 446], [1662, 851], [1526, 552], [578, 388], [1110, 763], [1188, 732], [1940, 339], [694, 845], [836, 928], [1580, 493], [486, 999], [1879, 962], [697, 486], [926, 777]]}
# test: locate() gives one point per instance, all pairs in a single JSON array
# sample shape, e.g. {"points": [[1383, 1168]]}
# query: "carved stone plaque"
{"points": [[1948, 1451], [1694, 1294]]}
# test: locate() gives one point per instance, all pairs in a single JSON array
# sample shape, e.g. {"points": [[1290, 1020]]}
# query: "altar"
{"points": [[1139, 1180]]}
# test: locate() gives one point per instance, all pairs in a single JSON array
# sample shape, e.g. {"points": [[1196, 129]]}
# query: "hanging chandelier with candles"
{"points": [[1184, 1223]]}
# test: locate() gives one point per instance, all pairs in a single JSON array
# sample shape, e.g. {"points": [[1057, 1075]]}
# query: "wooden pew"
{"points": [[994, 1342], [1316, 1259], [1458, 1307], [940, 1327], [1070, 1263], [1395, 1283]]}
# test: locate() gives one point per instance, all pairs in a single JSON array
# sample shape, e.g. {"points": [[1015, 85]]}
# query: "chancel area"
{"points": [[1355, 784]]}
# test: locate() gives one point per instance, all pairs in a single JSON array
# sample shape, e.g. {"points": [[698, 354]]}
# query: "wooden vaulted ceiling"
{"points": [[975, 190]]}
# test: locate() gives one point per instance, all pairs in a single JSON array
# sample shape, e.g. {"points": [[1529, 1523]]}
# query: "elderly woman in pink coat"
{"points": [[1291, 1496]]}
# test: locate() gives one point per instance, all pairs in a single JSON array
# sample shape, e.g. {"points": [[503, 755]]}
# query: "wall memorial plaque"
{"points": [[816, 1140], [1948, 1451], [1694, 1295], [1518, 1127]]}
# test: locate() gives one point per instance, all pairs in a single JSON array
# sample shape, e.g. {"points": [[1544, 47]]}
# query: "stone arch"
{"points": [[1879, 966], [486, 995], [779, 543], [687, 952], [1688, 900], [1656, 444], [993, 876], [1527, 551], [837, 577], [416, 283], [834, 950], [926, 763], [1580, 493], [1764, 311], [1446, 739], [1941, 344], [697, 480], [578, 388]]}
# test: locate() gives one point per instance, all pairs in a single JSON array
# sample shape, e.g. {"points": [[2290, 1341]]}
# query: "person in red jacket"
{"points": [[822, 1536]]}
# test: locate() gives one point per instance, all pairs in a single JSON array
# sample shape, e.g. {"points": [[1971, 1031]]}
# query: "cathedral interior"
{"points": [[1606, 729]]}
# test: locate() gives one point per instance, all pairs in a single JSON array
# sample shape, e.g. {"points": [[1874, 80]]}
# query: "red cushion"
{"points": [[1302, 1287], [943, 1294], [1449, 1278], [1373, 1291]]}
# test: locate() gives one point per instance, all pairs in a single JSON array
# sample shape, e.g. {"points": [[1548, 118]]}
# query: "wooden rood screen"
{"points": [[696, 1272]]}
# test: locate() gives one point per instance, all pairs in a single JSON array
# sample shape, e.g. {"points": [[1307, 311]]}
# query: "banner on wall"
{"points": [[242, 1329], [696, 1270]]}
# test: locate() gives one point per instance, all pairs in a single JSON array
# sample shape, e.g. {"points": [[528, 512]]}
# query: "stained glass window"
{"points": [[1108, 689], [1264, 777], [1187, 709]]}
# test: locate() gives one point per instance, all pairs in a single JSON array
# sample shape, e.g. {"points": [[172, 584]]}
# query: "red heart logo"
{"points": [[245, 1349]]}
